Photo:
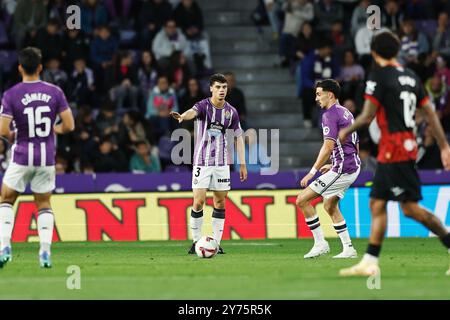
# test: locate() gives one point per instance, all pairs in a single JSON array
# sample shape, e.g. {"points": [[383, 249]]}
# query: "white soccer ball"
{"points": [[206, 247]]}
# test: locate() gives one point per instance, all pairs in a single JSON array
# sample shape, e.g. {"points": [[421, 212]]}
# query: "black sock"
{"points": [[218, 213], [196, 214], [374, 250]]}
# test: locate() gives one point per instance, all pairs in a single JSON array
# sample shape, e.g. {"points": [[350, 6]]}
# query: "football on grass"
{"points": [[206, 247]]}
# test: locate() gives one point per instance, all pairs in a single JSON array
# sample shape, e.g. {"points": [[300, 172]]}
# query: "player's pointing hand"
{"points": [[176, 116]]}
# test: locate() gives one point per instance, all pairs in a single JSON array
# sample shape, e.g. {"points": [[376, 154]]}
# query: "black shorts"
{"points": [[396, 181]]}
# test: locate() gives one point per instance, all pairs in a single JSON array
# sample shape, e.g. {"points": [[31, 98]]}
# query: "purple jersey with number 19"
{"points": [[33, 108]]}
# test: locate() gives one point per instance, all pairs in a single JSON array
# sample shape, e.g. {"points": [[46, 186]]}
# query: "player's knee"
{"points": [[376, 207], [329, 207], [301, 202], [198, 204], [409, 211], [219, 203]]}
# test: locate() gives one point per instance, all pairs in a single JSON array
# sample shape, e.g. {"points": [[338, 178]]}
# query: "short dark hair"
{"points": [[386, 44], [330, 85], [30, 58], [217, 77]]}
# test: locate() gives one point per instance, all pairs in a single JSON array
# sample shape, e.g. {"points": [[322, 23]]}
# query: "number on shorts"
{"points": [[198, 172]]}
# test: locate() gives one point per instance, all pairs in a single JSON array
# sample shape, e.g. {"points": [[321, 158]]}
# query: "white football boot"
{"points": [[347, 253], [363, 268], [318, 249]]}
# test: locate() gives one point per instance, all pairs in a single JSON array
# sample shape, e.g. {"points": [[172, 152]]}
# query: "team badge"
{"points": [[227, 115], [195, 181]]}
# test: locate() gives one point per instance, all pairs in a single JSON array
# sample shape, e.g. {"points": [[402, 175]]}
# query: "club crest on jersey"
{"points": [[227, 115]]}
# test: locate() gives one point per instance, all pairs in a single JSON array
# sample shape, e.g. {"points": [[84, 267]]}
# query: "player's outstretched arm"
{"points": [[67, 122], [363, 120], [438, 133], [322, 158], [188, 115]]}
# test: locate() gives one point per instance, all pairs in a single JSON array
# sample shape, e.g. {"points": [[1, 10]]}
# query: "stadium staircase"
{"points": [[236, 45]]}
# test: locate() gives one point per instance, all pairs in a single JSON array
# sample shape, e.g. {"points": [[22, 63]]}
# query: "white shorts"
{"points": [[333, 184], [41, 179], [212, 178]]}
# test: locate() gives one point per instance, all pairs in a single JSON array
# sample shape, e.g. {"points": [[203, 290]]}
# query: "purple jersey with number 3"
{"points": [[212, 126], [345, 158], [33, 108]]}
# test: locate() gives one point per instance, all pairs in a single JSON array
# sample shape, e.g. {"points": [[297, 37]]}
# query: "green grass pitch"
{"points": [[411, 268]]}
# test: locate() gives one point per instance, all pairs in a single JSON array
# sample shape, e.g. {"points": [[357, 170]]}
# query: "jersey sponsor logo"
{"points": [[370, 87], [215, 129], [326, 130], [223, 180]]}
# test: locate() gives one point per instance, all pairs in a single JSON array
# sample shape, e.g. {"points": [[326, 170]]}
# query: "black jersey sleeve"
{"points": [[422, 97], [375, 88]]}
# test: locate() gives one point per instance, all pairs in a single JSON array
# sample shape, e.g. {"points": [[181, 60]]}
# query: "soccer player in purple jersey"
{"points": [[216, 118], [336, 177], [31, 107]]}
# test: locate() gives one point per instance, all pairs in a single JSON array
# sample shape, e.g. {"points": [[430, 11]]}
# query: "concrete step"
{"points": [[274, 90], [220, 33], [274, 105], [222, 5], [276, 121], [302, 134], [227, 18], [289, 162], [295, 163], [302, 149], [244, 60], [238, 46], [263, 75]]}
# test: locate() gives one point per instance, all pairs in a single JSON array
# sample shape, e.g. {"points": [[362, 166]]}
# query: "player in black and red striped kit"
{"points": [[392, 95]]}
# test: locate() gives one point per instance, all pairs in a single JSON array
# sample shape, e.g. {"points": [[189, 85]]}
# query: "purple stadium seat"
{"points": [[7, 59], [127, 36], [165, 146], [173, 168], [427, 26], [3, 35]]}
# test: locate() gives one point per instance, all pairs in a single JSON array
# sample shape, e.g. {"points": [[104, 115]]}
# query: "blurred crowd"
{"points": [[134, 61], [330, 39], [130, 64]]}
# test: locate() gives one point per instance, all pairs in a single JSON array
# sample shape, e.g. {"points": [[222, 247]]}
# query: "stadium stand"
{"points": [[107, 67]]}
